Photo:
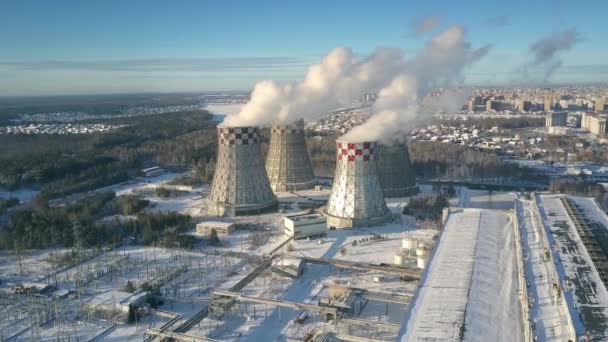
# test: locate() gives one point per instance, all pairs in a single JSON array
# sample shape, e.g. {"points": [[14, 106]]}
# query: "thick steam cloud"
{"points": [[342, 76]]}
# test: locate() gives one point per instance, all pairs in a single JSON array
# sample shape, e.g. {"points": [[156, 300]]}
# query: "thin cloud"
{"points": [[162, 64], [425, 24]]}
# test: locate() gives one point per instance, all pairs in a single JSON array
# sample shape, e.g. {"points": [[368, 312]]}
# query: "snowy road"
{"points": [[546, 312]]}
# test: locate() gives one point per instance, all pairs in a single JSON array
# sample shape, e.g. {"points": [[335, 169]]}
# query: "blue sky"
{"points": [[75, 46]]}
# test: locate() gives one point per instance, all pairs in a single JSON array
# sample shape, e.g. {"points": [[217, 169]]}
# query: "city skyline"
{"points": [[66, 47]]}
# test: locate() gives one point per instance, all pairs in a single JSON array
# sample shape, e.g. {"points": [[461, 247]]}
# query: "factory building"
{"points": [[356, 197], [221, 228], [288, 164], [397, 179], [302, 226], [240, 184]]}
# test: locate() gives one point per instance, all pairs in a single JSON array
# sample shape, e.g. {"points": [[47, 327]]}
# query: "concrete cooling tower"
{"points": [[240, 184], [356, 197], [288, 164], [395, 173]]}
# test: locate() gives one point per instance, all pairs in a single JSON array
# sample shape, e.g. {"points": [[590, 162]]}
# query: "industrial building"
{"points": [[240, 183], [221, 228], [356, 197], [395, 173], [301, 226], [472, 271], [288, 164]]}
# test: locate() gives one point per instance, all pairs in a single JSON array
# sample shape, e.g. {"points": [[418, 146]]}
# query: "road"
{"points": [[550, 321]]}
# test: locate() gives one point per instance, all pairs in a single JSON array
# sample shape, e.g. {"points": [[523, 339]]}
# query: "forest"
{"points": [[61, 165], [84, 225]]}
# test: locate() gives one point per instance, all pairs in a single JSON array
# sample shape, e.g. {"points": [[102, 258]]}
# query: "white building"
{"points": [[221, 228], [153, 171], [117, 301], [301, 226]]}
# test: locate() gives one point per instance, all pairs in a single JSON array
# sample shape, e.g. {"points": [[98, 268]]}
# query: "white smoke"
{"points": [[341, 76], [441, 63]]}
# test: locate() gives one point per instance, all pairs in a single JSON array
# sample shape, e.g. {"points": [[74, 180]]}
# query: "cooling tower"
{"points": [[240, 184], [288, 165], [356, 198], [395, 172]]}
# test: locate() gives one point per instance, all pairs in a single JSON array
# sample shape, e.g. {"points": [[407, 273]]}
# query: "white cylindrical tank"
{"points": [[420, 251], [399, 259], [409, 242], [421, 262]]}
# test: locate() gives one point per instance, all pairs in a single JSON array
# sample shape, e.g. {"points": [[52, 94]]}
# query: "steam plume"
{"points": [[341, 76], [545, 52], [441, 63]]}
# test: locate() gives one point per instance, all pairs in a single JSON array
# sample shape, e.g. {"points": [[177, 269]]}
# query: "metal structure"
{"points": [[356, 197], [240, 184], [288, 164], [395, 172]]}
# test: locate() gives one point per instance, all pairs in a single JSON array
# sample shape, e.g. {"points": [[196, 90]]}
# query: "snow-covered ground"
{"points": [[469, 291], [551, 322]]}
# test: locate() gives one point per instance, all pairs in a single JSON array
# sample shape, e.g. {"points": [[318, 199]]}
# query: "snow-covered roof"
{"points": [[469, 291]]}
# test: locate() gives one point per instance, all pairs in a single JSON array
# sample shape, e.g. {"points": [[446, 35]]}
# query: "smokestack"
{"points": [[240, 184], [288, 165], [356, 196], [395, 173]]}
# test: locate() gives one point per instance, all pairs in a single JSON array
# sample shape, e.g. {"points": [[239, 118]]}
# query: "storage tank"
{"points": [[356, 198], [288, 164], [400, 259], [240, 184], [409, 242]]}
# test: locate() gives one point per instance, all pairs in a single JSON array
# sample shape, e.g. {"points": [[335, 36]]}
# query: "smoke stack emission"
{"points": [[288, 164], [395, 172], [356, 197], [240, 184]]}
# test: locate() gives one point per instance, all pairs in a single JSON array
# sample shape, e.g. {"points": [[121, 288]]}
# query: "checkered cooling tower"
{"points": [[395, 172], [288, 164], [356, 198], [240, 184]]}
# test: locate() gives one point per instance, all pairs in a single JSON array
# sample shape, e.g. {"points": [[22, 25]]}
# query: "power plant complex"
{"points": [[395, 172], [356, 197], [365, 174], [288, 164], [240, 183]]}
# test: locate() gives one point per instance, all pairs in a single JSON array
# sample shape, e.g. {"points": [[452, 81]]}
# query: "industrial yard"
{"points": [[292, 258]]}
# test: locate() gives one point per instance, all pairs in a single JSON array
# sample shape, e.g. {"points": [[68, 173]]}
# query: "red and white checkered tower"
{"points": [[356, 197], [240, 183]]}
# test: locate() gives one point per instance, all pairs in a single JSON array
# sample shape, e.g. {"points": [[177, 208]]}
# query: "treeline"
{"points": [[62, 165], [503, 123], [82, 225], [450, 161]]}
